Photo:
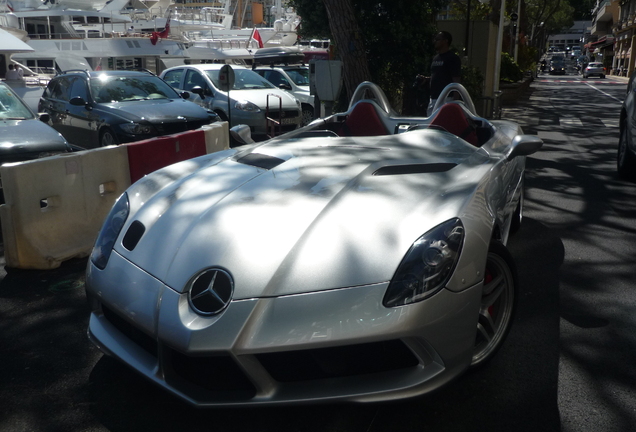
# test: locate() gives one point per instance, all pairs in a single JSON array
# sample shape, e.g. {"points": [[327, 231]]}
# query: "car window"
{"points": [[61, 88], [11, 107], [78, 88], [173, 77], [299, 76], [194, 79], [128, 88], [275, 78], [244, 79]]}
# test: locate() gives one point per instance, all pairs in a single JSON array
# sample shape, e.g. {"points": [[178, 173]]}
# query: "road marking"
{"points": [[602, 92], [570, 121], [610, 123]]}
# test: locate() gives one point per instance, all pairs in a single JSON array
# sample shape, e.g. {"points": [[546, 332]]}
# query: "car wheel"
{"points": [[307, 115], [107, 137], [602, 76], [517, 216], [625, 160], [498, 301]]}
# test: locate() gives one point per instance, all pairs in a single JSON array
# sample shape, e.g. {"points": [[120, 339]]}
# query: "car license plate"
{"points": [[290, 120]]}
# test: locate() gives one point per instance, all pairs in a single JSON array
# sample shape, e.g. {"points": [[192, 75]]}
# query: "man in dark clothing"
{"points": [[445, 69]]}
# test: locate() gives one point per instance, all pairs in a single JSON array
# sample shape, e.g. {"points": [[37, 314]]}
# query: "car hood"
{"points": [[262, 97], [28, 139], [303, 215], [156, 111]]}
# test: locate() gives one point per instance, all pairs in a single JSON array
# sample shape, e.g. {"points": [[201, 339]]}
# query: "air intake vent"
{"points": [[133, 235], [261, 161], [415, 169]]}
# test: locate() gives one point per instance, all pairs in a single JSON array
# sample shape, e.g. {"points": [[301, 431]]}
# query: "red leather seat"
{"points": [[452, 118], [363, 121]]}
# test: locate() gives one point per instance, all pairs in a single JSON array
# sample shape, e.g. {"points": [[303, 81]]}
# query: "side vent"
{"points": [[414, 169], [260, 161], [133, 235]]}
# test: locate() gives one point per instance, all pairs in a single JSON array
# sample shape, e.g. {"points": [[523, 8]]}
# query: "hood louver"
{"points": [[414, 169], [260, 161]]}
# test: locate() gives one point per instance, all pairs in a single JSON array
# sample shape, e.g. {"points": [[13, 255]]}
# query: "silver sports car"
{"points": [[359, 258]]}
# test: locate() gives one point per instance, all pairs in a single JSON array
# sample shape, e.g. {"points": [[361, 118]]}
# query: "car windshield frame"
{"points": [[12, 107], [244, 79], [128, 88]]}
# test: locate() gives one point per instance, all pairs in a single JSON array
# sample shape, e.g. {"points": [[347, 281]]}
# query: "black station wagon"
{"points": [[92, 109]]}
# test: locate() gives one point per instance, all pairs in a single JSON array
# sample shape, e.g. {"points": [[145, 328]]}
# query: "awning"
{"points": [[171, 62], [10, 43]]}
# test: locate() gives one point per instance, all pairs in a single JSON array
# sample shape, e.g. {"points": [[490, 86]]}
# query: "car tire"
{"points": [[307, 115], [625, 159], [517, 216], [107, 137], [498, 304], [602, 76]]}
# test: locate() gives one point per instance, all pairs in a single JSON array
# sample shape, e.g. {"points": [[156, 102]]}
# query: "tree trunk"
{"points": [[349, 44]]}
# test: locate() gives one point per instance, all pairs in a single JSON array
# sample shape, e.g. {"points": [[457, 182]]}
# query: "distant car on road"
{"points": [[253, 99], [557, 67], [93, 109], [626, 158], [594, 69]]}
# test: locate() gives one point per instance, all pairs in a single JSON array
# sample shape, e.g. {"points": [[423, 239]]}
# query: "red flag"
{"points": [[154, 37], [257, 37]]}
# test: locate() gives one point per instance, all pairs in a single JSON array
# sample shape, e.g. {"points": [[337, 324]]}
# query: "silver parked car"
{"points": [[359, 258], [253, 99], [594, 69]]}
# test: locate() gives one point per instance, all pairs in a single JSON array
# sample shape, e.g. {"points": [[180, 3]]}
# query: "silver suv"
{"points": [[294, 79], [594, 68]]}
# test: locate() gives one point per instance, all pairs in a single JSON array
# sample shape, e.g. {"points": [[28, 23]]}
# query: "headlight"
{"points": [[110, 231], [244, 105], [427, 266], [136, 128]]}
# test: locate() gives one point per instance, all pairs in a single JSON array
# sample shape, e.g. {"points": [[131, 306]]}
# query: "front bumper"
{"points": [[337, 345]]}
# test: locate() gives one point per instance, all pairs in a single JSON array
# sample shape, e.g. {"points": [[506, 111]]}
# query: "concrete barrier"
{"points": [[54, 207]]}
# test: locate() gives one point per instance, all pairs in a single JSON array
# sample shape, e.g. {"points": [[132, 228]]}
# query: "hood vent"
{"points": [[260, 161], [133, 235], [414, 169]]}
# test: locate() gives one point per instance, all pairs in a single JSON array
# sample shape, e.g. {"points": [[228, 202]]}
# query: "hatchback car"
{"points": [[294, 79], [594, 69], [557, 67], [22, 135], [94, 109], [252, 100]]}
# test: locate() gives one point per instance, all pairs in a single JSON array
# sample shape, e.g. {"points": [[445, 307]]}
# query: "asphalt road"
{"points": [[566, 365]]}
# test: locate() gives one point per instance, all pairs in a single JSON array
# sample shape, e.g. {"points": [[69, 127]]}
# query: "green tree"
{"points": [[396, 36]]}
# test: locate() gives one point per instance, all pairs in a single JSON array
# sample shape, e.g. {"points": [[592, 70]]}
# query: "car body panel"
{"points": [[22, 135], [311, 227], [594, 69]]}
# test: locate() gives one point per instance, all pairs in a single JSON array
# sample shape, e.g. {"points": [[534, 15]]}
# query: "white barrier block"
{"points": [[217, 137], [55, 206]]}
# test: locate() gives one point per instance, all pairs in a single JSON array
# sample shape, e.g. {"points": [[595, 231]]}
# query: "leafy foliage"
{"points": [[510, 70], [473, 81]]}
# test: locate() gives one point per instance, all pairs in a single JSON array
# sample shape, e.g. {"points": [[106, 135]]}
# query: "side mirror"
{"points": [[242, 134], [45, 117], [184, 95], [77, 101], [198, 90], [524, 145], [284, 86]]}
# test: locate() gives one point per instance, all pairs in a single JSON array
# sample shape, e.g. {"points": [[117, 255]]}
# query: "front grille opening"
{"points": [[214, 373], [133, 235], [130, 331], [337, 362]]}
